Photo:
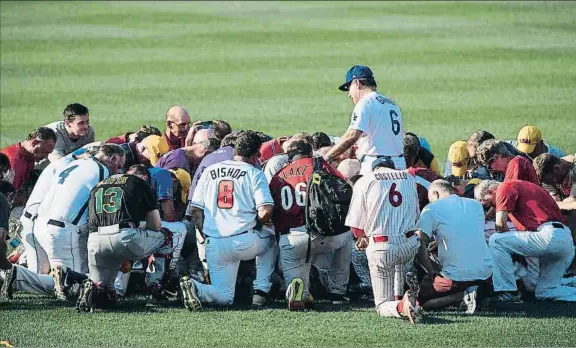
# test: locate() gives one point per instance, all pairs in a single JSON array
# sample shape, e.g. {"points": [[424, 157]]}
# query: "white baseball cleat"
{"points": [[470, 296], [190, 295]]}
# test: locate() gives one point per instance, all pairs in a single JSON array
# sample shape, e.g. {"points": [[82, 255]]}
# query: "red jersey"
{"points": [[528, 205], [270, 149], [520, 168], [174, 142], [288, 188], [22, 163], [121, 139], [424, 178]]}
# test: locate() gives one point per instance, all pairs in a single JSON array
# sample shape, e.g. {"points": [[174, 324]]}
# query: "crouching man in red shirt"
{"points": [[542, 233]]}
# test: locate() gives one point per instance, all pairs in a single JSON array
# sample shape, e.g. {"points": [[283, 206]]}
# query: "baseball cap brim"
{"points": [[345, 87], [526, 148]]}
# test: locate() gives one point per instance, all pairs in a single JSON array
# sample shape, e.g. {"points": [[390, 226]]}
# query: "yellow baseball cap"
{"points": [[185, 181], [528, 137], [458, 157], [157, 146]]}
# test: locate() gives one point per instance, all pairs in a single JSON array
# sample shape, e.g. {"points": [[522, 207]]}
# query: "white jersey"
{"points": [[384, 202], [380, 119], [67, 197], [230, 192], [43, 184]]}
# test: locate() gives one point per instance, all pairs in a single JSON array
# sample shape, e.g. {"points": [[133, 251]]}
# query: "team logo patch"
{"points": [[354, 117]]}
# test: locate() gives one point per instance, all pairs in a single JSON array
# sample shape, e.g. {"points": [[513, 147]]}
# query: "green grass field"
{"points": [[452, 67]]}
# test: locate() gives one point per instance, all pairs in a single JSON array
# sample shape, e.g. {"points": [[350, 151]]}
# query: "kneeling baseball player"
{"points": [[383, 215]]}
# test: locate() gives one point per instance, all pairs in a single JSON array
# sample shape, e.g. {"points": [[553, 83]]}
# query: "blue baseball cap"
{"points": [[384, 161], [356, 72]]}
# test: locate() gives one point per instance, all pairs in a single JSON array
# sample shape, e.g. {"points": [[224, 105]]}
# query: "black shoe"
{"points": [[9, 278], [85, 301], [260, 298], [338, 299]]}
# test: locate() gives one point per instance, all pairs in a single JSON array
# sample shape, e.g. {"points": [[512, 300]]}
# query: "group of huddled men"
{"points": [[207, 215]]}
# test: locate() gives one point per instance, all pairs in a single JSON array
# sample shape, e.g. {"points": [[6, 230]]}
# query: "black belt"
{"points": [[56, 223], [284, 232], [120, 226], [557, 225], [27, 215]]}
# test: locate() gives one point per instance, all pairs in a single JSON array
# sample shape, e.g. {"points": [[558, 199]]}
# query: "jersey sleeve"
{"points": [[164, 189], [262, 195], [356, 213], [197, 200], [506, 198], [513, 170], [273, 166], [427, 222], [361, 117]]}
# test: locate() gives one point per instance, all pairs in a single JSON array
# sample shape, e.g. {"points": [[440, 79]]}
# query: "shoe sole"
{"points": [[295, 295], [470, 301], [413, 312], [413, 285], [6, 290], [58, 275], [189, 296], [86, 297]]}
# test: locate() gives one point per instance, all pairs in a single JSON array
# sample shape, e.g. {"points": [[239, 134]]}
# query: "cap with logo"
{"points": [[185, 182], [458, 157], [356, 72], [528, 137], [157, 146]]}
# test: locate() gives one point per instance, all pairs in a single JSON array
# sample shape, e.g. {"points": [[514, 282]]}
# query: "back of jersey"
{"points": [[67, 197], [229, 192], [384, 203]]}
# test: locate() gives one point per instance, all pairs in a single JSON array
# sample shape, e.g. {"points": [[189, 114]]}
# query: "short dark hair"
{"points": [[221, 129], [211, 145], [453, 179], [411, 145], [299, 148], [73, 110], [4, 162], [544, 164], [147, 130], [229, 140], [320, 140], [110, 150], [479, 137], [369, 82], [248, 144], [264, 137], [42, 133], [487, 150], [6, 188], [138, 169]]}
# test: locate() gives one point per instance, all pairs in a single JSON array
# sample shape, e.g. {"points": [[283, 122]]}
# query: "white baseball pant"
{"points": [[224, 256], [36, 258], [552, 246], [64, 246], [388, 262], [367, 161], [293, 250]]}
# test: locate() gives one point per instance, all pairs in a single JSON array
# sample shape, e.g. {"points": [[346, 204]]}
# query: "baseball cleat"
{"points": [[470, 296], [190, 295], [410, 308], [294, 295], [9, 278], [413, 285], [85, 301], [260, 298], [59, 278], [505, 298]]}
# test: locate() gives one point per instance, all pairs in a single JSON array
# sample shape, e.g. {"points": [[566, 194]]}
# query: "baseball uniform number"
{"points": [[226, 194], [65, 174], [108, 201], [299, 194], [395, 122], [395, 197]]}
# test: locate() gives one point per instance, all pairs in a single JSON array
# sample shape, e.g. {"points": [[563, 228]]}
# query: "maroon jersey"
{"points": [[424, 178], [288, 188]]}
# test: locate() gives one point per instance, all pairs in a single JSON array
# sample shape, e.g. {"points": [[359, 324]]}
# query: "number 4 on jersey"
{"points": [[65, 174]]}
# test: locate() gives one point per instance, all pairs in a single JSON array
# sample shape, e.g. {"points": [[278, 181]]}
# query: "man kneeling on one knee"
{"points": [[457, 224]]}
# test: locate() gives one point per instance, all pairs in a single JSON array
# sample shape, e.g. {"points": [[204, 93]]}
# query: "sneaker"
{"points": [[470, 296], [260, 298], [338, 299], [505, 297], [294, 294], [190, 295], [59, 286], [85, 301], [411, 309], [9, 278]]}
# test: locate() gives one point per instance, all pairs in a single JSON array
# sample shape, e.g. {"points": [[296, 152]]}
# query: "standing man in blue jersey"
{"points": [[376, 123]]}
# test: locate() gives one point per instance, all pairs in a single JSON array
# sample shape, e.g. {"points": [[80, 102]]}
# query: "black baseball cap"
{"points": [[356, 72]]}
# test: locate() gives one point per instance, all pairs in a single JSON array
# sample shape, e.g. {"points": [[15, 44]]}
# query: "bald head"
{"points": [[203, 134], [177, 121], [439, 189]]}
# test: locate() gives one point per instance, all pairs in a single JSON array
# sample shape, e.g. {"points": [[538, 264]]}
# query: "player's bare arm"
{"points": [[197, 215], [346, 142], [265, 213], [168, 210], [502, 221], [153, 221]]}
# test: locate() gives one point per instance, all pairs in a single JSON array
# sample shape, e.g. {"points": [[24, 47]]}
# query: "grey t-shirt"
{"points": [[65, 145]]}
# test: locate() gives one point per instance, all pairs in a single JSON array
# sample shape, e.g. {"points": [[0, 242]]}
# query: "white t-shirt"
{"points": [[380, 119], [274, 165], [43, 184], [67, 197], [384, 202], [230, 192], [457, 224]]}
